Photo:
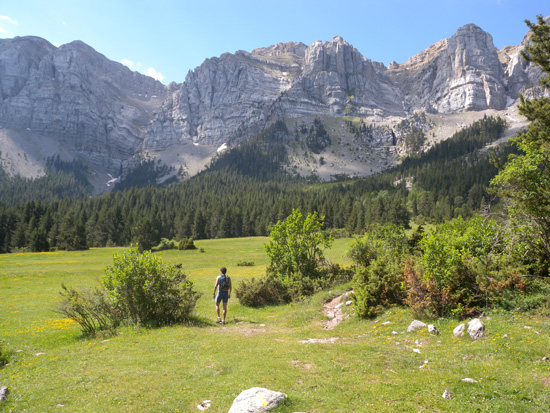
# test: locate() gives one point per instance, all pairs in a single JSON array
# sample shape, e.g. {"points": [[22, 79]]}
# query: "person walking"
{"points": [[223, 284]]}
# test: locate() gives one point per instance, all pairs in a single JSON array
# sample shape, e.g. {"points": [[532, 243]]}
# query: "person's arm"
{"points": [[230, 288], [216, 286]]}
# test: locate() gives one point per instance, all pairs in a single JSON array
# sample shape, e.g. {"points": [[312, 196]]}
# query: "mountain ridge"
{"points": [[100, 112]]}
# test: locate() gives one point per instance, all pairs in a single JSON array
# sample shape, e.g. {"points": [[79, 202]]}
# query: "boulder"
{"points": [[433, 329], [476, 328], [447, 394], [256, 400], [3, 392], [415, 325], [459, 330]]}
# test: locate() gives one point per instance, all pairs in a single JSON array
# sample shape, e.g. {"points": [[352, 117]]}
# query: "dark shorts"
{"points": [[222, 295]]}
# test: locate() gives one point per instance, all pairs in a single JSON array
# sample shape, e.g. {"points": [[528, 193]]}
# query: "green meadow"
{"points": [[361, 365]]}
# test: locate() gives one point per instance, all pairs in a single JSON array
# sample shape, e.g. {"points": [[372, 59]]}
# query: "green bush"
{"points": [[167, 244], [186, 244], [245, 264], [145, 290], [4, 358], [92, 310], [267, 290], [296, 252], [378, 280], [378, 286]]}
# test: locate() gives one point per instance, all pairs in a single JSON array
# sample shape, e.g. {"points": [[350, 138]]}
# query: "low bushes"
{"points": [[4, 359], [458, 268], [92, 310], [259, 292], [137, 288], [145, 290]]}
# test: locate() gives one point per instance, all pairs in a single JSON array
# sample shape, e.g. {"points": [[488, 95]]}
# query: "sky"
{"points": [[165, 39]]}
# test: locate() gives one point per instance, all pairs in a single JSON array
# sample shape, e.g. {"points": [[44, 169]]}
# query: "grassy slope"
{"points": [[175, 368]]}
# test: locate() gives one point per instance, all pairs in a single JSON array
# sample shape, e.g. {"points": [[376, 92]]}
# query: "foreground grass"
{"points": [[360, 366]]}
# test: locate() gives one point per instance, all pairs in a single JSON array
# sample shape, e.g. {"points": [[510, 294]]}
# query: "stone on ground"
{"points": [[476, 328], [415, 325], [256, 400]]}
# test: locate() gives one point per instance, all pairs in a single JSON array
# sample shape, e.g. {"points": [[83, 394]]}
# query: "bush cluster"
{"points": [[137, 288], [259, 292], [186, 244], [458, 268]]}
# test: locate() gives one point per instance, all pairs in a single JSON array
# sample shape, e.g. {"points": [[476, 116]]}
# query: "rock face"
{"points": [[457, 74], [103, 113], [94, 106]]}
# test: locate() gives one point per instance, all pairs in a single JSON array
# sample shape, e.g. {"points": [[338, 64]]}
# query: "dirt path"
{"points": [[333, 310]]}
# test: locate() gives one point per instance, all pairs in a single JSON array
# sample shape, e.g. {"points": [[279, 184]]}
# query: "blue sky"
{"points": [[167, 38]]}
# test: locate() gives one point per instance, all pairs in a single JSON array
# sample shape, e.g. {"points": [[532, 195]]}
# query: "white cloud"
{"points": [[8, 19], [138, 67], [154, 74], [4, 31], [128, 63]]}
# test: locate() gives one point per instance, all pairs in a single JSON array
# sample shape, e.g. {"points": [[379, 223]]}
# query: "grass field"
{"points": [[362, 365]]}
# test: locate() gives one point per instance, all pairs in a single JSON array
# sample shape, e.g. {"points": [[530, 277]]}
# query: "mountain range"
{"points": [[73, 102]]}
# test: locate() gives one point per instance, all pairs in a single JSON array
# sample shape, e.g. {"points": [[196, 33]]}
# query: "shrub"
{"points": [[378, 280], [186, 244], [167, 244], [145, 290], [296, 250], [92, 310], [378, 286], [245, 264], [267, 290], [4, 358]]}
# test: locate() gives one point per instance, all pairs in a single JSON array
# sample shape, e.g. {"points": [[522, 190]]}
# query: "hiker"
{"points": [[224, 293]]}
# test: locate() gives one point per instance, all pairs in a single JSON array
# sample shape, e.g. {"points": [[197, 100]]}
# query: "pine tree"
{"points": [[525, 180]]}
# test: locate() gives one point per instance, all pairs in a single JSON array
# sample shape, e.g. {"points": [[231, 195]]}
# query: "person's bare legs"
{"points": [[224, 311], [218, 310]]}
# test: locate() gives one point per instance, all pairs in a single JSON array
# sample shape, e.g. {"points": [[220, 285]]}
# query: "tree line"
{"points": [[246, 190]]}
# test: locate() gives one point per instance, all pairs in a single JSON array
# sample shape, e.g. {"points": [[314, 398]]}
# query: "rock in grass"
{"points": [[459, 330], [415, 325], [469, 380], [3, 392], [256, 400], [476, 328], [447, 394], [204, 405], [432, 329]]}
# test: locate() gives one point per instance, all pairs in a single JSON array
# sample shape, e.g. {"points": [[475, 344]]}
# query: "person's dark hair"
{"points": [[223, 270]]}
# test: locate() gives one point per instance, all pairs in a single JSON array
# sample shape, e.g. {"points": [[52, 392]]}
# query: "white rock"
{"points": [[469, 380], [349, 302], [476, 328], [386, 323], [447, 394], [432, 329], [416, 350], [3, 392], [204, 405], [256, 400], [415, 325], [459, 330]]}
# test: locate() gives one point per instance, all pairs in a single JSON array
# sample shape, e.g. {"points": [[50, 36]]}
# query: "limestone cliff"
{"points": [[101, 112]]}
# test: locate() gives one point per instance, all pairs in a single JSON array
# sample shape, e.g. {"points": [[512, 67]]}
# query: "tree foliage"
{"points": [[296, 248], [145, 290], [525, 179]]}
